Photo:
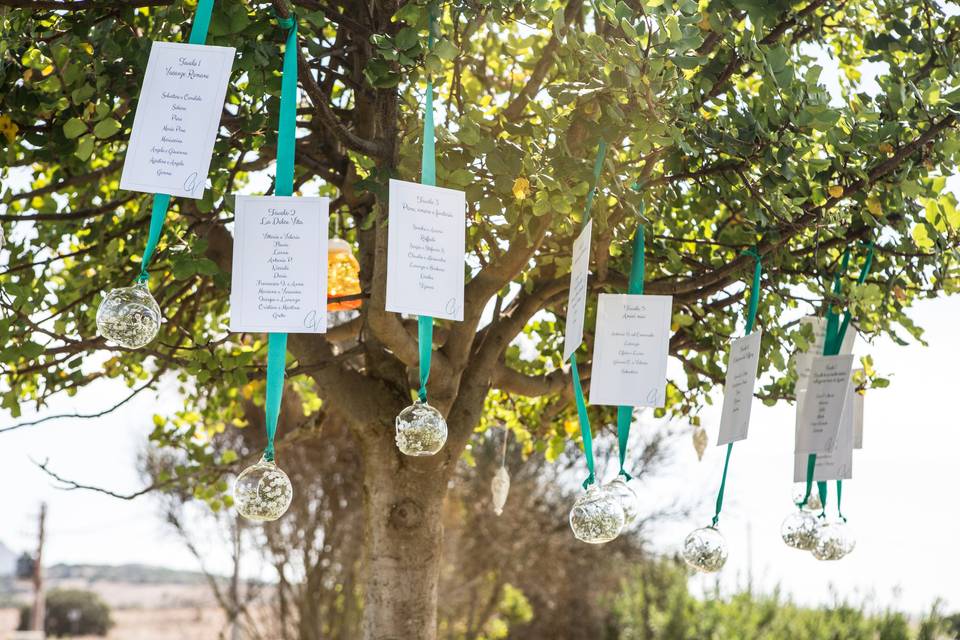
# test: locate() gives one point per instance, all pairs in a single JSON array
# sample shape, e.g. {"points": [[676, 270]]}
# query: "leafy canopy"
{"points": [[720, 126]]}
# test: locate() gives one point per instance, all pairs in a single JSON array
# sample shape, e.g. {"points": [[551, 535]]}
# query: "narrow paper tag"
{"points": [[738, 389], [577, 297]]}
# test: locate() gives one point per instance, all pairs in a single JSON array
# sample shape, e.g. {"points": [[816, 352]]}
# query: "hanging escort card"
{"points": [[425, 250], [738, 389], [577, 296], [804, 359], [279, 265], [630, 350], [177, 118], [836, 464], [823, 403]]}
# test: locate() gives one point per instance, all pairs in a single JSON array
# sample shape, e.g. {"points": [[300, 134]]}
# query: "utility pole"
{"points": [[39, 599]]}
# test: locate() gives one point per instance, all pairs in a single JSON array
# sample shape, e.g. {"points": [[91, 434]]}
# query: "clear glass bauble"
{"points": [[421, 430], [262, 492], [813, 501], [129, 316], [623, 491], [499, 489], [799, 529], [705, 549], [834, 541], [596, 516]]}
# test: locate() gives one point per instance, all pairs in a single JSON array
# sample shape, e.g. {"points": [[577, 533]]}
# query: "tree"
{"points": [[718, 123]]}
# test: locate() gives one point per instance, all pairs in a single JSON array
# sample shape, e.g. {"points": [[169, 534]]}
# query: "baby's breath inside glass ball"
{"points": [[262, 492], [834, 541], [705, 549], [799, 530], [623, 490], [597, 516], [421, 430], [129, 316]]}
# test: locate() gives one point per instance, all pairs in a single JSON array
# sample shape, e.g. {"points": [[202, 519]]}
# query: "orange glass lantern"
{"points": [[343, 275]]}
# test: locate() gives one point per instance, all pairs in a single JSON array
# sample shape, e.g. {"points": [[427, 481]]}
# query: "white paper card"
{"points": [[821, 406], [836, 464], [804, 359], [858, 420], [738, 388], [177, 119], [577, 297], [425, 250], [630, 350], [279, 280]]}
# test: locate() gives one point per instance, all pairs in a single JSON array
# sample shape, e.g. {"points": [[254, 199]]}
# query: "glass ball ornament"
{"points": [[597, 516], [343, 275], [129, 316], [500, 488], [813, 501], [622, 490], [799, 530], [262, 492], [705, 549], [834, 541], [421, 430]]}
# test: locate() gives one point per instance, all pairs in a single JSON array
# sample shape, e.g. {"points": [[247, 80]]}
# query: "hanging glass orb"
{"points": [[596, 516], [421, 430], [813, 501], [343, 275], [129, 316], [705, 549], [500, 487], [799, 530], [622, 490], [262, 492], [834, 541]]}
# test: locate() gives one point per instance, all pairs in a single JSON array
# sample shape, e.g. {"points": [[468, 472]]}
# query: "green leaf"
{"points": [[85, 148], [446, 50], [74, 128], [106, 128]]}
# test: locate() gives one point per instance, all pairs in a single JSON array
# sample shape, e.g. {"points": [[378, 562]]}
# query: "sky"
{"points": [[899, 502]]}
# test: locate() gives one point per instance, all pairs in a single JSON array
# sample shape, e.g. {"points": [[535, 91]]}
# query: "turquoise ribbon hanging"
{"points": [[751, 320], [161, 201], [832, 342], [634, 287], [585, 433], [428, 176], [282, 186]]}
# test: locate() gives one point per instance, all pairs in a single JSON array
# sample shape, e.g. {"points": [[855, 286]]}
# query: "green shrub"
{"points": [[72, 612]]}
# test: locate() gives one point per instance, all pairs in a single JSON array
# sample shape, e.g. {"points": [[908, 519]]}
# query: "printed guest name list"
{"points": [[279, 265], [177, 118], [425, 250]]}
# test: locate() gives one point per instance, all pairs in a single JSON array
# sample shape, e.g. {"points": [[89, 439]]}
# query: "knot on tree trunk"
{"points": [[406, 514]]}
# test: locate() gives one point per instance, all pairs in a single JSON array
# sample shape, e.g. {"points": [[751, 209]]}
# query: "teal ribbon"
{"points": [[276, 364], [161, 201], [585, 433], [751, 320], [832, 341], [428, 176], [634, 287], [287, 127], [282, 186]]}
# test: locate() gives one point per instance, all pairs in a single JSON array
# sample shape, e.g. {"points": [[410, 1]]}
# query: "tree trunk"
{"points": [[404, 532]]}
